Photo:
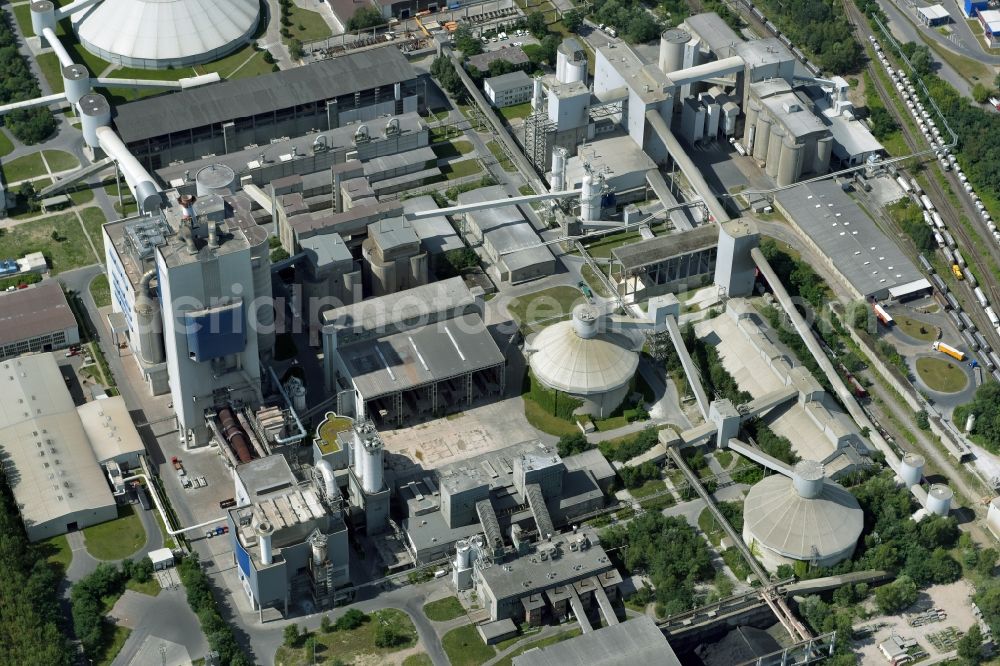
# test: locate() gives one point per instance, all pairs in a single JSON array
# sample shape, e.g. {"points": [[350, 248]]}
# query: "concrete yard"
{"points": [[459, 436], [954, 599]]}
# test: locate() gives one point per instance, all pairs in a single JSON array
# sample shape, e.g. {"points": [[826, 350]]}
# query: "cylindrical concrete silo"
{"points": [[215, 179], [264, 532], [371, 462], [939, 499], [537, 95], [808, 478], [94, 112], [672, 49], [750, 125], [558, 179], [589, 199], [790, 161], [76, 82], [824, 148], [149, 322], [773, 158], [263, 305], [911, 469], [43, 15], [764, 123], [463, 554]]}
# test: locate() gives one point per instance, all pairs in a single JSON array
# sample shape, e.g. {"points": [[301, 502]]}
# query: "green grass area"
{"points": [[71, 250], [93, 220], [526, 190], [59, 160], [894, 143], [100, 291], [969, 69], [917, 328], [455, 170], [525, 632], [355, 645], [941, 375], [48, 64], [612, 423], [594, 281], [419, 659], [81, 55], [724, 458], [516, 111], [451, 149], [113, 645], [23, 168], [549, 303], [711, 529], [56, 551], [544, 642], [651, 487], [601, 248], [151, 587], [307, 26], [116, 539], [6, 145], [548, 423], [81, 194], [501, 156], [443, 610], [465, 647]]}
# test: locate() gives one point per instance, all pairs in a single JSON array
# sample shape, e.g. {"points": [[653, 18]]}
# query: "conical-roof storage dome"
{"points": [[156, 34]]}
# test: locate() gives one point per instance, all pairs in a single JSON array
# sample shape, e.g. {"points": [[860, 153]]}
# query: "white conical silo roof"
{"points": [[566, 361], [167, 30], [802, 528]]}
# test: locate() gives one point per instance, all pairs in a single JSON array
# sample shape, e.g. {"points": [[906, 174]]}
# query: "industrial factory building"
{"points": [[839, 230], [230, 116], [36, 319], [413, 354], [209, 261], [289, 537], [54, 452], [637, 641], [506, 494], [508, 238], [674, 263]]}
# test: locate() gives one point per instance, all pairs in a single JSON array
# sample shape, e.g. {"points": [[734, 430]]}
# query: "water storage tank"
{"points": [[149, 322], [939, 499], [762, 138], [215, 179], [371, 463], [463, 554], [94, 112], [76, 82], [672, 49], [911, 469]]}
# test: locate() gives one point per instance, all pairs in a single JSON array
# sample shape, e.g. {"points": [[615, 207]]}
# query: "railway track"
{"points": [[939, 197]]}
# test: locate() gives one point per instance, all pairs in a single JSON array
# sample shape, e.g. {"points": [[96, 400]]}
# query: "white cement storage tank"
{"points": [[558, 179], [939, 499], [264, 532], [672, 49], [463, 554], [571, 62], [762, 138], [76, 82], [370, 462], [911, 469], [94, 112]]}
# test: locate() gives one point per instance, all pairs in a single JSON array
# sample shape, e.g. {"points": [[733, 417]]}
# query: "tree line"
{"points": [[17, 84], [29, 588], [821, 28]]}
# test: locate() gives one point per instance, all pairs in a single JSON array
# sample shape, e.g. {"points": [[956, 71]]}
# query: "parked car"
{"points": [[585, 288]]}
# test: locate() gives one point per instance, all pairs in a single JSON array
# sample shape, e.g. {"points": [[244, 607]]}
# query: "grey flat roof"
{"points": [[480, 470], [515, 55], [865, 256], [413, 358], [420, 302], [50, 463], [265, 475], [508, 81], [637, 641], [801, 122], [436, 233], [323, 249], [714, 32], [392, 232], [644, 79], [240, 98], [644, 253], [38, 310], [763, 51], [619, 154], [521, 576]]}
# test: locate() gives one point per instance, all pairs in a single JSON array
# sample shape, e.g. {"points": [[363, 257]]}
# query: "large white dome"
{"points": [[156, 34], [583, 364]]}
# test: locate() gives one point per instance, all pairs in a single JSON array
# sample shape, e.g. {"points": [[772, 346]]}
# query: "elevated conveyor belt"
{"points": [[536, 502], [694, 379]]}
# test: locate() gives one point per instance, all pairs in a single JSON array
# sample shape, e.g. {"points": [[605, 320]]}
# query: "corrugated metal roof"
{"points": [[39, 310], [241, 98]]}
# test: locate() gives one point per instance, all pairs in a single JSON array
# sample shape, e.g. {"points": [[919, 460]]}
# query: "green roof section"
{"points": [[326, 433]]}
